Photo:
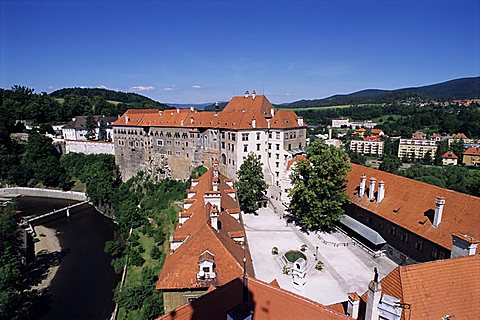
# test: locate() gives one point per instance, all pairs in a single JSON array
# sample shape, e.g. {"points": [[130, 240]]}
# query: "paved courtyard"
{"points": [[346, 268]]}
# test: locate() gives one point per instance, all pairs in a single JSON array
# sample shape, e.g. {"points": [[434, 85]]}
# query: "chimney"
{"points": [[268, 122], [182, 122], [254, 123], [373, 298], [247, 94], [160, 112], [178, 110], [300, 121], [363, 180], [192, 109], [126, 118], [353, 305], [272, 112], [254, 94], [215, 170], [371, 190], [381, 191], [215, 183], [329, 133], [214, 217], [463, 245], [439, 204]]}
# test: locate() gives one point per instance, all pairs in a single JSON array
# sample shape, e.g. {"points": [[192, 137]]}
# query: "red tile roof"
{"points": [[372, 138], [240, 113], [267, 301], [409, 203], [449, 155], [181, 266], [472, 152], [436, 289], [460, 136], [295, 159]]}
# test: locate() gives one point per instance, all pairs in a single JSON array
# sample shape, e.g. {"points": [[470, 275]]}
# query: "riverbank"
{"points": [[48, 254]]}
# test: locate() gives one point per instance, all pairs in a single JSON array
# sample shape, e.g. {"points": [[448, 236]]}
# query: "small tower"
{"points": [[373, 298]]}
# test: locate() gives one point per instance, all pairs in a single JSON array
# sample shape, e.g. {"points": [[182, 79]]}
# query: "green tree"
{"points": [[319, 182], [442, 147], [357, 158], [251, 185], [11, 276], [390, 163], [102, 130], [90, 126]]}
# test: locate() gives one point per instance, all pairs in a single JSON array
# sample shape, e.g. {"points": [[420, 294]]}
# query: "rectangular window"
{"points": [[258, 146], [289, 146], [244, 136], [278, 135], [223, 145], [419, 245], [269, 155], [258, 135], [392, 230], [277, 156], [233, 136], [223, 135], [277, 164], [245, 148], [233, 147], [405, 236], [269, 146], [278, 146], [434, 252], [277, 174], [159, 143], [270, 135]]}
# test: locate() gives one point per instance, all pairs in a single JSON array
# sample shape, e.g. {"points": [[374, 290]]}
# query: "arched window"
{"points": [[224, 159]]}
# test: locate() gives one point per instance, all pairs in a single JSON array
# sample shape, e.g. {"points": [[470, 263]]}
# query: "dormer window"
{"points": [[206, 266]]}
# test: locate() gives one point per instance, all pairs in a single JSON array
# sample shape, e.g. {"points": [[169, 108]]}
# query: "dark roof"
{"points": [[79, 122]]}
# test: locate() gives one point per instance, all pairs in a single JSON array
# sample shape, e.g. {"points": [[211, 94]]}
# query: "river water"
{"points": [[83, 285]]}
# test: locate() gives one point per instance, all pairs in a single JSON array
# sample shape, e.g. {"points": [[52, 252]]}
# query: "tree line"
{"points": [[22, 103]]}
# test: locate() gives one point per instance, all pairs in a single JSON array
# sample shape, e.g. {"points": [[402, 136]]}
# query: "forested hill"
{"points": [[111, 95], [464, 88]]}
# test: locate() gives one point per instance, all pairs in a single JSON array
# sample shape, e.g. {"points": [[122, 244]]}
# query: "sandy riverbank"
{"points": [[47, 256]]}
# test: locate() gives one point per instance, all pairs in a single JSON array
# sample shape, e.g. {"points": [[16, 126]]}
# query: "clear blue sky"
{"points": [[200, 51]]}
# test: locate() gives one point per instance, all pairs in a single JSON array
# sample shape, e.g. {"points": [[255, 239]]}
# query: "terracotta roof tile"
{"points": [[449, 155], [240, 113], [267, 302], [436, 289], [472, 152], [410, 204]]}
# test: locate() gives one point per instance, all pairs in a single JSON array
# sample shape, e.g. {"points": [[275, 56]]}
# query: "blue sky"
{"points": [[201, 51]]}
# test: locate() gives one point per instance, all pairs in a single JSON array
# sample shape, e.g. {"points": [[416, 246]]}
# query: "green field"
{"points": [[332, 107]]}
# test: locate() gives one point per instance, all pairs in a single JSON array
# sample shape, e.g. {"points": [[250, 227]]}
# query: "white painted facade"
{"points": [[89, 147]]}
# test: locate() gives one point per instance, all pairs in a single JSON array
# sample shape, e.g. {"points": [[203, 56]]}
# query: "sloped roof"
{"points": [[449, 155], [411, 204], [240, 113], [460, 136], [181, 266], [436, 289], [472, 152], [267, 301]]}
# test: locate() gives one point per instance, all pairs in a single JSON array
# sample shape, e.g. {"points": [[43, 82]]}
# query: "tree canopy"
{"points": [[319, 183], [251, 185]]}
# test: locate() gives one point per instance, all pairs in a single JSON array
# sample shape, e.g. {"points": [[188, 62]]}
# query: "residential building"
{"points": [[417, 221], [444, 289], [370, 145], [208, 247], [417, 149], [377, 132], [175, 141], [340, 122], [250, 298], [449, 158], [368, 124], [360, 132], [471, 156], [77, 129], [419, 135]]}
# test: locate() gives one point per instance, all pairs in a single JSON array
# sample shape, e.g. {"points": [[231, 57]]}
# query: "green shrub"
{"points": [[319, 266]]}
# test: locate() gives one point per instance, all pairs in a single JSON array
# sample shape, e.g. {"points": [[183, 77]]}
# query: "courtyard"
{"points": [[347, 267]]}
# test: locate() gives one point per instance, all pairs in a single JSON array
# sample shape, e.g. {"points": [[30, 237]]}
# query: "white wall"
{"points": [[89, 147]]}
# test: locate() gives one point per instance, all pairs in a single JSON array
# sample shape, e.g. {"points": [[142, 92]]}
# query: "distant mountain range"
{"points": [[463, 88]]}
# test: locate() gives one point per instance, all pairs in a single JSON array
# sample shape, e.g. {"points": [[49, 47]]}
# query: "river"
{"points": [[83, 285]]}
